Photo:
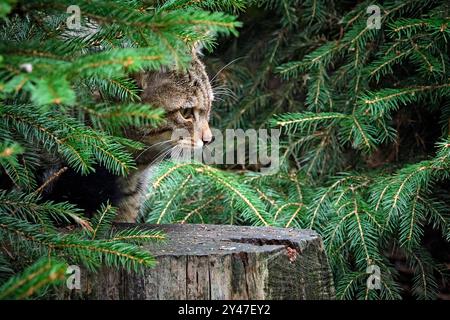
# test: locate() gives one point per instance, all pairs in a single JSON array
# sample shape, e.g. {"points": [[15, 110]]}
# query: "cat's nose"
{"points": [[210, 140], [207, 136]]}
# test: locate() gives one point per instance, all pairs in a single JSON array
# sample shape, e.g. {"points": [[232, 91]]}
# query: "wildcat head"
{"points": [[186, 98]]}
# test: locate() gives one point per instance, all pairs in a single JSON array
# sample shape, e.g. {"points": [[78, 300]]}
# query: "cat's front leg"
{"points": [[132, 192]]}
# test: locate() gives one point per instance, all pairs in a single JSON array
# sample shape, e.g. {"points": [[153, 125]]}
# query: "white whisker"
{"points": [[161, 155], [226, 66], [225, 93], [152, 146]]}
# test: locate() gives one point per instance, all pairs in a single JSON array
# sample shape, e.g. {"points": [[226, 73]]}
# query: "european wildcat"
{"points": [[186, 98]]}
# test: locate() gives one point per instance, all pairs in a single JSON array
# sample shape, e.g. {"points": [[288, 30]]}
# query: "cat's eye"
{"points": [[187, 113]]}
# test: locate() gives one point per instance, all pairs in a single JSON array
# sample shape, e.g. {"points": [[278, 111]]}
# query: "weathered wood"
{"points": [[223, 262]]}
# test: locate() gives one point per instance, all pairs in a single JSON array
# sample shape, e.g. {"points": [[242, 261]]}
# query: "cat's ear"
{"points": [[139, 77], [206, 43], [146, 79], [197, 48]]}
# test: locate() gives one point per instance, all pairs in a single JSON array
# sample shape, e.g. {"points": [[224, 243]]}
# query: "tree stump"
{"points": [[223, 262]]}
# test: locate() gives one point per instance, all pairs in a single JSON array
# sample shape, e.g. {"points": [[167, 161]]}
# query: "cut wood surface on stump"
{"points": [[222, 262]]}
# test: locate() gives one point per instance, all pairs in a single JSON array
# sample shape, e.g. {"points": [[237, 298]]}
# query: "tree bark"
{"points": [[222, 262]]}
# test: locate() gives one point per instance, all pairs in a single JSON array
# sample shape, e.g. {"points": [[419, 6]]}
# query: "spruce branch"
{"points": [[34, 279]]}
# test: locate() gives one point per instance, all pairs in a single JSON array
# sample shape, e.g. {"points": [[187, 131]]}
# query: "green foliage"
{"points": [[175, 178], [66, 96], [33, 279], [363, 161]]}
